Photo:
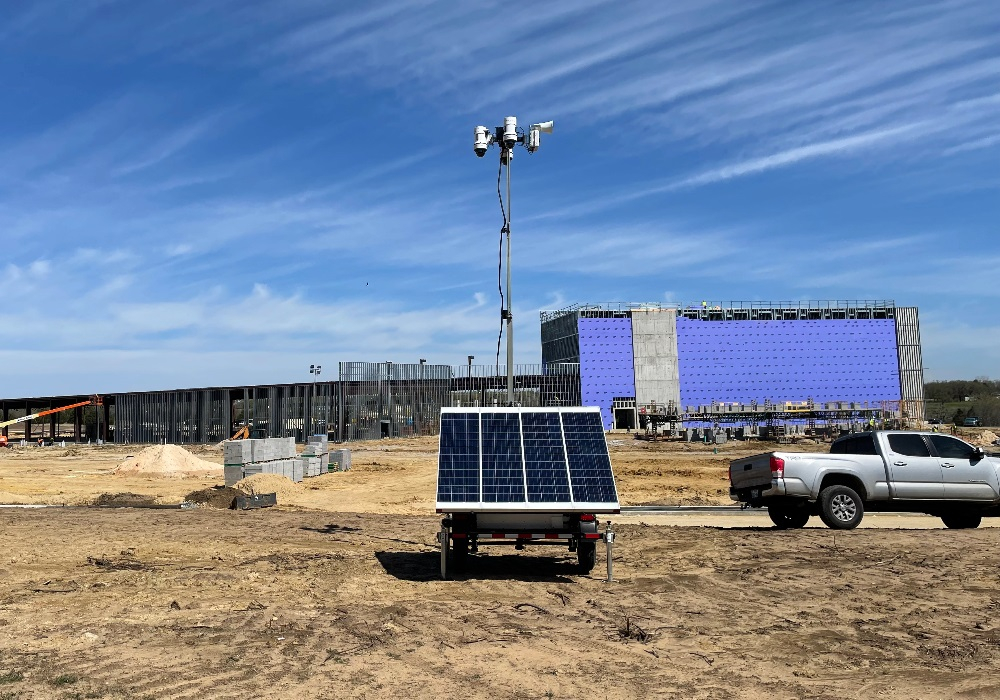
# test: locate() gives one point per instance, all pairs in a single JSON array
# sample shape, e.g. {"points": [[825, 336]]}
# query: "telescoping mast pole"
{"points": [[507, 137]]}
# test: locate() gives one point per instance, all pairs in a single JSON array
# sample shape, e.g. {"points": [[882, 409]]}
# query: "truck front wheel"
{"points": [[841, 507], [586, 555], [788, 516], [961, 521]]}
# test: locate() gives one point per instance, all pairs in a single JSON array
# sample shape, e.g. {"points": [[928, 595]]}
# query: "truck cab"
{"points": [[887, 470]]}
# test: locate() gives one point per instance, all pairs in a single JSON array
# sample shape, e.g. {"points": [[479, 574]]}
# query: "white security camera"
{"points": [[482, 140], [510, 131], [535, 135]]}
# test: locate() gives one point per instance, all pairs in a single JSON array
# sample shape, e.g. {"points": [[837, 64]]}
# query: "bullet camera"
{"points": [[535, 135], [510, 131], [482, 140]]}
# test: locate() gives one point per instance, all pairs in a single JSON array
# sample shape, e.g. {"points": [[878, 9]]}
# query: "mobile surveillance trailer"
{"points": [[523, 476]]}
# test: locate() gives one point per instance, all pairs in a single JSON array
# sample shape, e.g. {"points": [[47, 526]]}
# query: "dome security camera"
{"points": [[482, 140]]}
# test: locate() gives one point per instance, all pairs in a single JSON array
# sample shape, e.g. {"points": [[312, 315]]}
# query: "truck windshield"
{"points": [[860, 445]]}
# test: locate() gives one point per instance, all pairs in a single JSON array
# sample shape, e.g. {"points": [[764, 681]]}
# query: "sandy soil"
{"points": [[311, 599], [389, 476]]}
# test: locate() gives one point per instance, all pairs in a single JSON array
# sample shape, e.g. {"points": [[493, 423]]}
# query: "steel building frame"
{"points": [[369, 400]]}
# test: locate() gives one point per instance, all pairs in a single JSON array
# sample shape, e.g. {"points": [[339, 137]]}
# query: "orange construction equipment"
{"points": [[94, 401], [242, 434]]}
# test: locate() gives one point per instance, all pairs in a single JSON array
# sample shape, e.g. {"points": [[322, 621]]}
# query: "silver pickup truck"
{"points": [[884, 470]]}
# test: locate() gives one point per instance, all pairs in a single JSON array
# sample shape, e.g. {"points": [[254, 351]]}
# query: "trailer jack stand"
{"points": [[609, 542], [443, 537]]}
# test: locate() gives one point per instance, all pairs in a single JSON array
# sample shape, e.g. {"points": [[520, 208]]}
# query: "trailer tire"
{"points": [[787, 516], [961, 521], [586, 555], [840, 507]]}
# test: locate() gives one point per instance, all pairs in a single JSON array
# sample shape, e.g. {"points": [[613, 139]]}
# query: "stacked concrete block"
{"points": [[310, 465], [316, 456], [233, 473], [237, 452], [258, 456], [298, 469], [270, 449], [340, 460]]}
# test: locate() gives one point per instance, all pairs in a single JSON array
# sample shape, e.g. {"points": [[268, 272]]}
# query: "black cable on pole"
{"points": [[503, 230]]}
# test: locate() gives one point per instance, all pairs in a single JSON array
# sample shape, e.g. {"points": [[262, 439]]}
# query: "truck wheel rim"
{"points": [[844, 508]]}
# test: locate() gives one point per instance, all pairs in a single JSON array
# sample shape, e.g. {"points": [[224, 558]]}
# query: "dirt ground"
{"points": [[388, 476], [335, 593]]}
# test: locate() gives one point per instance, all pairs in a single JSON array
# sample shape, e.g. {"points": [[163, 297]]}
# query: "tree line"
{"points": [[979, 397]]}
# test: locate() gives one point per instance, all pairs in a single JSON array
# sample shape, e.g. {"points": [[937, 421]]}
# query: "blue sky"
{"points": [[224, 192]]}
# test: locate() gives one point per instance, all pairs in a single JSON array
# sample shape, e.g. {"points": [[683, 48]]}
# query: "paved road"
{"points": [[733, 517], [685, 510]]}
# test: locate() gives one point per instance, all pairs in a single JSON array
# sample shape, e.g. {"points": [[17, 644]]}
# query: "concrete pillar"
{"points": [[654, 348]]}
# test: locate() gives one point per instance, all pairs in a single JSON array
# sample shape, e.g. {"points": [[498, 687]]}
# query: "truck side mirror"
{"points": [[978, 453]]}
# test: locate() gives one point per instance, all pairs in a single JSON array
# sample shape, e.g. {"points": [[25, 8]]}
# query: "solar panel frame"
{"points": [[536, 448]]}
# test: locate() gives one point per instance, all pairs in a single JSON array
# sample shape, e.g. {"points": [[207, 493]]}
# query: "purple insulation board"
{"points": [[606, 369], [828, 360]]}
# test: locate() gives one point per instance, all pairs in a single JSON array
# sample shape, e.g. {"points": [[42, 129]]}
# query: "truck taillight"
{"points": [[777, 466], [587, 518]]}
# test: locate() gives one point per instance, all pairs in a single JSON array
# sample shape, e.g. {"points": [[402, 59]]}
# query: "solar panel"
{"points": [[512, 459]]}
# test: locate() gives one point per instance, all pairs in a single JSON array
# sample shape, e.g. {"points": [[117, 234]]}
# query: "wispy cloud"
{"points": [[200, 164], [843, 146]]}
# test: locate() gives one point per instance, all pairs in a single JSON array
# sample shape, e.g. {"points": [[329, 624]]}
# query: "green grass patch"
{"points": [[11, 677]]}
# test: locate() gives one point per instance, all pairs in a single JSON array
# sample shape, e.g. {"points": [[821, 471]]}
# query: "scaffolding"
{"points": [[736, 310]]}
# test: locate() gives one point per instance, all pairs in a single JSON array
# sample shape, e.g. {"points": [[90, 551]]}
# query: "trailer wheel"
{"points": [[961, 521], [787, 516], [841, 507], [586, 555]]}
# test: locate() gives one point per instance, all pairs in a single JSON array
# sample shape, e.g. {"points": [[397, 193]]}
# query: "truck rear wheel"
{"points": [[788, 516], [961, 521], [586, 555], [841, 507]]}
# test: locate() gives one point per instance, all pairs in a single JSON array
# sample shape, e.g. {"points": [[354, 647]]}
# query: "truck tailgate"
{"points": [[750, 472]]}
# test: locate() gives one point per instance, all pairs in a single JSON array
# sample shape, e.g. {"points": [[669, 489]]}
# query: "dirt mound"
{"points": [[125, 499], [214, 497], [987, 437], [168, 461], [268, 483]]}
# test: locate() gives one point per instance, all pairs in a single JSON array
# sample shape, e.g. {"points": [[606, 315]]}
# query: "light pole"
{"points": [[314, 370], [508, 136], [388, 384], [419, 422]]}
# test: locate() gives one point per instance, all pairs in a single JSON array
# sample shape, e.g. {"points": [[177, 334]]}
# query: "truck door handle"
{"points": [[947, 465], [899, 464]]}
